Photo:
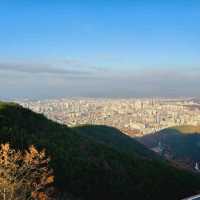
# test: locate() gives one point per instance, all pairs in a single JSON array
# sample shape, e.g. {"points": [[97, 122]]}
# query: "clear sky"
{"points": [[101, 48]]}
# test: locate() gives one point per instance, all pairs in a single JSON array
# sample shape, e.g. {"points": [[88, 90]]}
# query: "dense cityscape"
{"points": [[134, 117]]}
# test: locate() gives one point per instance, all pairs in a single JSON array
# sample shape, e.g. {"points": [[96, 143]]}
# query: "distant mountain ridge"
{"points": [[180, 144], [96, 162], [187, 129]]}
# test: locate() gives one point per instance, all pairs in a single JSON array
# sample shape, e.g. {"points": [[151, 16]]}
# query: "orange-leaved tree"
{"points": [[24, 175]]}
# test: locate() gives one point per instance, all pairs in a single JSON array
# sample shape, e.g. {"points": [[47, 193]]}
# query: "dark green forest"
{"points": [[182, 142], [96, 162]]}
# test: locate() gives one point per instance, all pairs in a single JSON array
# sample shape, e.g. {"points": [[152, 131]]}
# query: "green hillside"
{"points": [[96, 167], [114, 138]]}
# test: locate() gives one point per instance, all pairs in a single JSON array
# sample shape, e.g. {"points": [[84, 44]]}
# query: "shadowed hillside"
{"points": [[178, 143], [93, 162], [114, 138]]}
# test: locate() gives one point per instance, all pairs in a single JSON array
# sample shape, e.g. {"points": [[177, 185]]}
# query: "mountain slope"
{"points": [[116, 139], [180, 143], [186, 129], [91, 169]]}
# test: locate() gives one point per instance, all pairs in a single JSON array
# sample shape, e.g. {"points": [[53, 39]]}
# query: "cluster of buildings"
{"points": [[132, 116]]}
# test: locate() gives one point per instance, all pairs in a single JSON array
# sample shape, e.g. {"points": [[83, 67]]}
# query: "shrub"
{"points": [[24, 175]]}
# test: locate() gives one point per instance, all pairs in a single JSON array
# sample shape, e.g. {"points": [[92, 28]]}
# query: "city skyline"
{"points": [[132, 116]]}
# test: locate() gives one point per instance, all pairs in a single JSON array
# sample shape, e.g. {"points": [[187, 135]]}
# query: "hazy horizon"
{"points": [[114, 49]]}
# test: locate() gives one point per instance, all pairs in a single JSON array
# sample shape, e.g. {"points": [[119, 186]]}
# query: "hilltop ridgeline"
{"points": [[180, 144], [96, 162]]}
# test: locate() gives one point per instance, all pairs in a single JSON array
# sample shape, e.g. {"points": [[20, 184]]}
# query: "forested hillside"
{"points": [[181, 144], [91, 164]]}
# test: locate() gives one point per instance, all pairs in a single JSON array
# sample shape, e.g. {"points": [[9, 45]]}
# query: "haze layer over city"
{"points": [[99, 49], [134, 117], [117, 56]]}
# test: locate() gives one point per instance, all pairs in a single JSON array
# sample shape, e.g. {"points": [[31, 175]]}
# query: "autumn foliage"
{"points": [[24, 175]]}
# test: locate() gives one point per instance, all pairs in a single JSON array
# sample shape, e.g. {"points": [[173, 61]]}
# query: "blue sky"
{"points": [[120, 43]]}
